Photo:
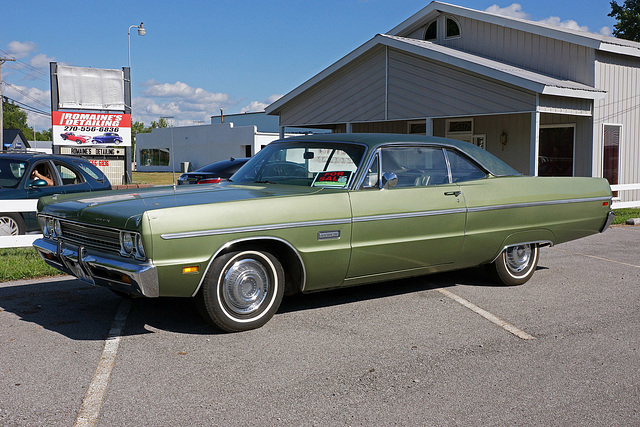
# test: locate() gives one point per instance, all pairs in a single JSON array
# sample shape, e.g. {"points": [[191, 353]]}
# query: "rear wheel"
{"points": [[11, 224], [242, 290], [516, 264]]}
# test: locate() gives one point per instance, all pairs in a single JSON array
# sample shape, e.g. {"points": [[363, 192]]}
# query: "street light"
{"points": [[141, 32]]}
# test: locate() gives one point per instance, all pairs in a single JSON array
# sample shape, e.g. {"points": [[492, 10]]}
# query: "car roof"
{"points": [[39, 156], [373, 140]]}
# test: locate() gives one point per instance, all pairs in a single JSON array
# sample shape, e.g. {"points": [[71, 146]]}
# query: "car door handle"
{"points": [[452, 193]]}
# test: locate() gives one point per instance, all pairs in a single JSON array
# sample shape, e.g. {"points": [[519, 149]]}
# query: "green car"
{"points": [[319, 212]]}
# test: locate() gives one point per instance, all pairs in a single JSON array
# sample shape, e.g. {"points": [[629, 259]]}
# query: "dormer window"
{"points": [[453, 29], [432, 31]]}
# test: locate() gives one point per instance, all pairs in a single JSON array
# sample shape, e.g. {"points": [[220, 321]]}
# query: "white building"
{"points": [[198, 145]]}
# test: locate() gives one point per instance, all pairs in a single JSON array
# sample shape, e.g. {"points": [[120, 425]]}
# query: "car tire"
{"points": [[11, 224], [516, 264], [242, 290]]}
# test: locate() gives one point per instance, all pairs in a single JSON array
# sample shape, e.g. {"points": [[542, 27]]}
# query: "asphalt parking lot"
{"points": [[436, 350]]}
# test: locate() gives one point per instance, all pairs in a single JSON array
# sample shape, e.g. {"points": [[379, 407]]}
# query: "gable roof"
{"points": [[582, 38], [507, 73]]}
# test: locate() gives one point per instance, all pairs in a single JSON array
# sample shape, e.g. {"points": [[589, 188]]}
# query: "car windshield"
{"points": [[11, 172], [311, 164]]}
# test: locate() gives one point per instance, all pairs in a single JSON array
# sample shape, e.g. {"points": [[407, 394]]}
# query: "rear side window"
{"points": [[91, 170], [68, 175], [11, 172], [463, 168]]}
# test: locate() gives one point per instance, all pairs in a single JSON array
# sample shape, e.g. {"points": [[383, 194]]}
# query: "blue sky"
{"points": [[200, 56]]}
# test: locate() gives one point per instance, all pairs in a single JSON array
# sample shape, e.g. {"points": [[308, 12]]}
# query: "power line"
{"points": [[26, 95], [27, 107]]}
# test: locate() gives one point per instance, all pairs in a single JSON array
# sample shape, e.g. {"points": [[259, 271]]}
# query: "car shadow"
{"points": [[80, 311]]}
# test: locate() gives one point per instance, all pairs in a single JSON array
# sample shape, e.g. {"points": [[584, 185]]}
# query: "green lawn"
{"points": [[155, 178], [23, 263]]}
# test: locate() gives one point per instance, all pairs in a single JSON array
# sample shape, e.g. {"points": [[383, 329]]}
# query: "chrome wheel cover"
{"points": [[245, 286], [517, 258], [8, 226]]}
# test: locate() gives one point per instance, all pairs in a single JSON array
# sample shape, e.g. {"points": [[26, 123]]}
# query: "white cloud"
{"points": [[41, 61], [605, 31], [569, 24], [515, 11], [257, 106], [21, 49], [186, 104], [34, 97]]}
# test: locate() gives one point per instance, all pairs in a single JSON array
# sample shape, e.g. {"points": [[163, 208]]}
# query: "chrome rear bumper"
{"points": [[99, 268], [610, 217]]}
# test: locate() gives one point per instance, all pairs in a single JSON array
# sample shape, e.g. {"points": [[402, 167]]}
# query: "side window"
{"points": [[416, 166], [463, 168], [90, 170], [68, 175]]}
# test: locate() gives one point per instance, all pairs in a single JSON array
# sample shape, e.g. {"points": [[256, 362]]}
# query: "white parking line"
{"points": [[92, 402], [490, 317]]}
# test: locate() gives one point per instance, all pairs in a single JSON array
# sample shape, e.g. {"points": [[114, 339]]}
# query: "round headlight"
{"points": [[127, 242], [139, 247], [57, 229]]}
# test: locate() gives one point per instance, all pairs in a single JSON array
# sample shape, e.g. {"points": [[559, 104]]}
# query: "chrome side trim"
{"points": [[408, 215], [249, 239], [546, 203], [258, 228]]}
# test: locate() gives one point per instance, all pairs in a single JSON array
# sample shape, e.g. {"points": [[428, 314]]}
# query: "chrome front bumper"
{"points": [[101, 269]]}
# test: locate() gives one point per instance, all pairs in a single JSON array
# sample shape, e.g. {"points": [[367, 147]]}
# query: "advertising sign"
{"points": [[91, 129]]}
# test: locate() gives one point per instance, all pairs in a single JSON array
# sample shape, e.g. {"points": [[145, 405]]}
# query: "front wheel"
{"points": [[242, 290], [516, 264]]}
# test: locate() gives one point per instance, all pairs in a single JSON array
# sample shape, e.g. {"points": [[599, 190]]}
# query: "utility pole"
{"points": [[2, 61]]}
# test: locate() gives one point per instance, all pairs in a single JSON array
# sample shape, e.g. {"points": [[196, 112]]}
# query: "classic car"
{"points": [[80, 139], [21, 178], [318, 212], [213, 173], [107, 138]]}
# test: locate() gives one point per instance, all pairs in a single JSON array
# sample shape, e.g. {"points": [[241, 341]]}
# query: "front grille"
{"points": [[106, 239]]}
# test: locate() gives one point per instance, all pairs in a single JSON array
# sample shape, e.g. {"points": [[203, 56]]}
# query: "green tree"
{"points": [[13, 117], [628, 17]]}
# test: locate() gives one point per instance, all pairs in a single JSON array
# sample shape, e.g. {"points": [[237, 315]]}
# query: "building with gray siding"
{"points": [[547, 100]]}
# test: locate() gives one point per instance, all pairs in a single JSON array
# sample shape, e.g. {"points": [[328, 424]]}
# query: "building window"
{"points": [[432, 31], [556, 150], [417, 128], [154, 157], [453, 29], [611, 153], [246, 150], [461, 129]]}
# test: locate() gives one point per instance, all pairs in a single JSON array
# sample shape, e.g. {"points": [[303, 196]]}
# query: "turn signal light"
{"points": [[192, 269]]}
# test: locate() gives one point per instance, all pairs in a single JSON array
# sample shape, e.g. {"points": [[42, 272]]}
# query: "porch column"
{"points": [[349, 128], [429, 126], [534, 148]]}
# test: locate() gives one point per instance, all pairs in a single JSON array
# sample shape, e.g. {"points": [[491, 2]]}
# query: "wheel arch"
{"points": [[285, 252], [540, 237]]}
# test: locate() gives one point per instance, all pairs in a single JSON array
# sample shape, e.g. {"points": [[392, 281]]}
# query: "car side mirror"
{"points": [[389, 180], [38, 183]]}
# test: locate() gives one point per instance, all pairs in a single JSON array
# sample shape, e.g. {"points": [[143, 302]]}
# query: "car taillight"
{"points": [[210, 181]]}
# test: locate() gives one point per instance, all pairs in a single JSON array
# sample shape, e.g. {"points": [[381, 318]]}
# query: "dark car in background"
{"points": [[32, 175], [213, 173], [107, 138]]}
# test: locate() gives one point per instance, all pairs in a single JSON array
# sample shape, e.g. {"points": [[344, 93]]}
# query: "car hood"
{"points": [[120, 207]]}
